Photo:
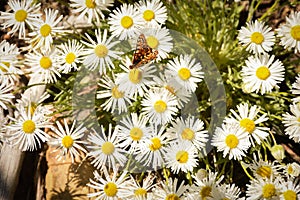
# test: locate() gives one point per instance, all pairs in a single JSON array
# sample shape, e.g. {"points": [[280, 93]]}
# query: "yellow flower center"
{"points": [[268, 190], [108, 148], [21, 15], [135, 76], [257, 38], [205, 192], [67, 141], [45, 30], [289, 195], [231, 141], [45, 62], [264, 171], [101, 51], [90, 4], [156, 144], [152, 42], [115, 93], [136, 133], [298, 119], [171, 90], [126, 22], [7, 64], [184, 73], [110, 189], [160, 106], [172, 197], [70, 57], [248, 124], [148, 15], [290, 169], [263, 73], [28, 126], [295, 32], [182, 156], [140, 192], [188, 134]]}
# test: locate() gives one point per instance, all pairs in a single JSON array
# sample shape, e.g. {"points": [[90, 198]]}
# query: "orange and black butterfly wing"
{"points": [[143, 53]]}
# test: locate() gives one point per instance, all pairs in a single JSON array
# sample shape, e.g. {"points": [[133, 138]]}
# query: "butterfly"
{"points": [[143, 54]]}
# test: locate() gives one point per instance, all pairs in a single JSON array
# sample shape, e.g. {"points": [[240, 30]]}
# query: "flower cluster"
{"points": [[145, 96]]}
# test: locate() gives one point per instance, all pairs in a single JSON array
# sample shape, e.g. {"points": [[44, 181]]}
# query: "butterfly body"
{"points": [[143, 53]]}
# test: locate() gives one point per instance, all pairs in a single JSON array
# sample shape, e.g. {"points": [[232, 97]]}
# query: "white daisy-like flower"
{"points": [[186, 71], [125, 22], [293, 169], [257, 37], [8, 62], [153, 12], [159, 106], [290, 32], [264, 189], [159, 39], [27, 129], [264, 169], [23, 13], [105, 149], [183, 96], [292, 122], [290, 189], [153, 150], [181, 156], [99, 54], [92, 9], [109, 187], [5, 94], [69, 56], [68, 140], [137, 191], [296, 89], [262, 73], [225, 191], [190, 129], [232, 140], [43, 66], [170, 189], [117, 100], [202, 188], [249, 119], [45, 31], [132, 131], [135, 81]]}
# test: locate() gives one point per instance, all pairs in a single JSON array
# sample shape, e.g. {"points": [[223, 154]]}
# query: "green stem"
{"points": [[246, 172]]}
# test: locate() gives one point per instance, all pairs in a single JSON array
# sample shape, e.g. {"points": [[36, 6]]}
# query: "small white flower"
{"points": [[292, 122], [135, 81], [181, 156], [262, 73], [69, 56], [248, 119], [5, 94], [125, 22], [296, 89], [232, 140], [225, 191], [159, 106], [186, 71], [290, 189], [289, 32], [257, 37], [68, 140], [117, 100], [109, 187], [293, 169], [153, 12], [92, 9], [27, 129], [45, 31], [106, 150], [43, 66], [24, 13], [170, 189], [100, 54]]}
